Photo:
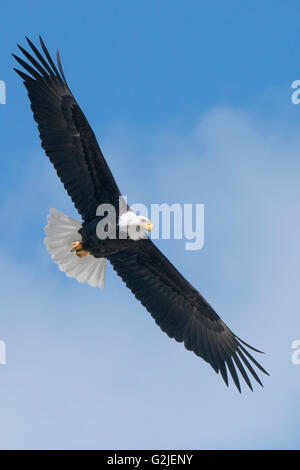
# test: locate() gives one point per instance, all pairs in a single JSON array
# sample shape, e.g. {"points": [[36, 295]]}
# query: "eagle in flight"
{"points": [[176, 306]]}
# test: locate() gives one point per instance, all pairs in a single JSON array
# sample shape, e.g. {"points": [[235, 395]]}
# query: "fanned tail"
{"points": [[61, 232]]}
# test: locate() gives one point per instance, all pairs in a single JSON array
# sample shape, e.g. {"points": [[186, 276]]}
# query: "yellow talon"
{"points": [[77, 247]]}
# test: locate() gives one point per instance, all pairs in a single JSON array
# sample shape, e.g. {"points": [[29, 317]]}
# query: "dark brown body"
{"points": [[109, 246]]}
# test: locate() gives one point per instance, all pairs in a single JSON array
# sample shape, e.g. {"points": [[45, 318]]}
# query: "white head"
{"points": [[135, 225]]}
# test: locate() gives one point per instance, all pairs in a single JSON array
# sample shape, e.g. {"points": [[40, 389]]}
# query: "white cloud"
{"points": [[91, 369]]}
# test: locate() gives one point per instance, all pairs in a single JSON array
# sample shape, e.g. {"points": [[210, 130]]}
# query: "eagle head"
{"points": [[135, 225]]}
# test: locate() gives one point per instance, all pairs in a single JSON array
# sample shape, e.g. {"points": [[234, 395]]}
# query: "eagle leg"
{"points": [[77, 247]]}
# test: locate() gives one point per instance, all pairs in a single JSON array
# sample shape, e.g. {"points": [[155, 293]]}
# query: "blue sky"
{"points": [[191, 104]]}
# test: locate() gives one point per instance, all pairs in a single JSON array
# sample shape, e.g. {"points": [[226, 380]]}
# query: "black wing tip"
{"points": [[226, 382], [243, 354], [255, 362], [43, 66], [41, 41], [234, 362], [29, 41], [23, 75], [241, 364], [60, 66], [249, 346]]}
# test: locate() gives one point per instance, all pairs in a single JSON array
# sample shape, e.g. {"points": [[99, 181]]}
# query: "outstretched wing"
{"points": [[181, 311], [176, 306], [66, 135]]}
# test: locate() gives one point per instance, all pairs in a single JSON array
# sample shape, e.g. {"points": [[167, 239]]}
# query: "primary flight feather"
{"points": [[177, 307]]}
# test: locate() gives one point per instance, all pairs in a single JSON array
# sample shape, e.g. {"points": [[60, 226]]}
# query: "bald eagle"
{"points": [[176, 306]]}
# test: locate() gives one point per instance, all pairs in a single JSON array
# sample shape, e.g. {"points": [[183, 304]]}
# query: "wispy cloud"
{"points": [[88, 369]]}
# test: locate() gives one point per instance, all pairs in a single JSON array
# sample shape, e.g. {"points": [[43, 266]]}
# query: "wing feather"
{"points": [[182, 313], [65, 133]]}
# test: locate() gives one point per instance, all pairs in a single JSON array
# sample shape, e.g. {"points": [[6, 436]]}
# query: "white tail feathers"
{"points": [[61, 232]]}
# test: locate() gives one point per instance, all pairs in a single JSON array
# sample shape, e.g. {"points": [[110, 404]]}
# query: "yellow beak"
{"points": [[149, 227]]}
